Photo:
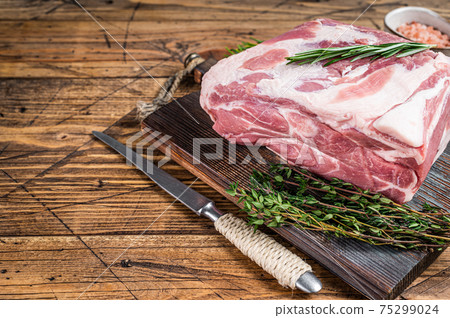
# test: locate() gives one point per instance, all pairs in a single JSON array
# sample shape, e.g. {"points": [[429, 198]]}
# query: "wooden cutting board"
{"points": [[378, 272]]}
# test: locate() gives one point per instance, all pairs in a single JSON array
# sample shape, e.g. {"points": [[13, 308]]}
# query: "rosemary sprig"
{"points": [[293, 196], [242, 47], [356, 52]]}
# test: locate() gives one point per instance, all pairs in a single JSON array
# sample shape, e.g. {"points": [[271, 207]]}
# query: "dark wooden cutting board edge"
{"points": [[378, 272]]}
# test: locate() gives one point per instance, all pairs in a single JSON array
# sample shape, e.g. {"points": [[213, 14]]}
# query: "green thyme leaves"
{"points": [[288, 195]]}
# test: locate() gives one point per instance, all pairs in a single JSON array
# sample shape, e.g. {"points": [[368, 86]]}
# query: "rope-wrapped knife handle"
{"points": [[273, 257]]}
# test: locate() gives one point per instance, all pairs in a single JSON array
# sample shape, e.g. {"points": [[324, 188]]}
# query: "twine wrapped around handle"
{"points": [[273, 257], [165, 95]]}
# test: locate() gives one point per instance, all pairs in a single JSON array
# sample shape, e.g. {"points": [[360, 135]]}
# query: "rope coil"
{"points": [[168, 89]]}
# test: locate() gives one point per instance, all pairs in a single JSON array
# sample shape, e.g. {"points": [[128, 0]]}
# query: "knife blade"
{"points": [[190, 198], [235, 227]]}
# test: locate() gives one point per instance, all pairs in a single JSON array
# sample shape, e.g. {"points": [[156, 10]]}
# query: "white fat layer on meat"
{"points": [[435, 120], [395, 154], [406, 121], [343, 33], [446, 135], [358, 112], [419, 156], [355, 111], [337, 33]]}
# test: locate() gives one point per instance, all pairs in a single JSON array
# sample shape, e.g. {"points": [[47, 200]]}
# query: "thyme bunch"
{"points": [[288, 195]]}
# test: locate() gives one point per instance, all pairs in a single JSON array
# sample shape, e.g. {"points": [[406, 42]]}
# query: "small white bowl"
{"points": [[399, 16]]}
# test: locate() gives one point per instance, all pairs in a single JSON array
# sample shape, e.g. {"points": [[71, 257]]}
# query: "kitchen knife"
{"points": [[289, 269]]}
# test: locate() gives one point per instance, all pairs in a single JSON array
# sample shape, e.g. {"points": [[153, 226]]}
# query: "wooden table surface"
{"points": [[72, 213]]}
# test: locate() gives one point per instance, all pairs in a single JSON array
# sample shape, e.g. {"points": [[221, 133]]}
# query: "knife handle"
{"points": [[289, 269]]}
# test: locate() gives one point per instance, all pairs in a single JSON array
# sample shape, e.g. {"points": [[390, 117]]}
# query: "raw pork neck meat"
{"points": [[378, 124]]}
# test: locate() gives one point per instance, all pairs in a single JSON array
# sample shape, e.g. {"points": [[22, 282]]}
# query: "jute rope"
{"points": [[167, 90], [275, 259]]}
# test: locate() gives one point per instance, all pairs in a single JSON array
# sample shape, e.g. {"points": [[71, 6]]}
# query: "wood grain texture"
{"points": [[69, 206], [378, 272]]}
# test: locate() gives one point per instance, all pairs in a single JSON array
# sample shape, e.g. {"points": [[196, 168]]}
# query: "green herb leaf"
{"points": [[357, 52], [242, 47], [385, 200], [278, 178], [257, 222], [258, 205], [231, 192], [294, 196]]}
